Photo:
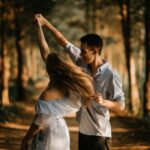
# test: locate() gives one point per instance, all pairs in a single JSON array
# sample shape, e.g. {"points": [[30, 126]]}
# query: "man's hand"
{"points": [[98, 98]]}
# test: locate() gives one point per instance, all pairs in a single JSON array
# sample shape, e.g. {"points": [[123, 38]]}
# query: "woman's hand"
{"points": [[39, 20]]}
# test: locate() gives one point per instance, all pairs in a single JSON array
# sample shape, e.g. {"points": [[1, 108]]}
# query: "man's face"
{"points": [[87, 53]]}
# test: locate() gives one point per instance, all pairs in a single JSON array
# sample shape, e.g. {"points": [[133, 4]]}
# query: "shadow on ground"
{"points": [[128, 133]]}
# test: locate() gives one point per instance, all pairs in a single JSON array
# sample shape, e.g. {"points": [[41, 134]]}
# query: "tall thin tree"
{"points": [[89, 15], [134, 100], [147, 60], [5, 58], [96, 16], [20, 33]]}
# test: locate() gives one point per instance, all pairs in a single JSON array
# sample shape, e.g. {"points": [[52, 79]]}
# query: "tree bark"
{"points": [[5, 61], [89, 16], [147, 60], [134, 100], [22, 75], [34, 66], [96, 16]]}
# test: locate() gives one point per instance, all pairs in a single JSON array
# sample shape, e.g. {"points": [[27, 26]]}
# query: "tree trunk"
{"points": [[5, 62], [134, 100], [34, 66], [96, 16], [22, 76], [89, 16], [147, 60]]}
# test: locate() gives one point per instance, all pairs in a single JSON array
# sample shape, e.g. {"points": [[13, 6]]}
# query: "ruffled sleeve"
{"points": [[58, 108], [47, 110]]}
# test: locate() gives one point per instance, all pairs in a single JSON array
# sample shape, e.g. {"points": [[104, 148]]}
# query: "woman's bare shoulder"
{"points": [[51, 94]]}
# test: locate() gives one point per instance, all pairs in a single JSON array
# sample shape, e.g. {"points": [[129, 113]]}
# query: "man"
{"points": [[95, 129]]}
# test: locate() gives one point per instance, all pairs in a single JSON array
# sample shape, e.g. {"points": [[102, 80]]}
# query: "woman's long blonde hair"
{"points": [[65, 74]]}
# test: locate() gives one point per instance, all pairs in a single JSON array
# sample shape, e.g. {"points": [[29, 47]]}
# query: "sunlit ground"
{"points": [[128, 133]]}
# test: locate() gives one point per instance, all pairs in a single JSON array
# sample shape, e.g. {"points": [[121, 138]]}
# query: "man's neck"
{"points": [[98, 61]]}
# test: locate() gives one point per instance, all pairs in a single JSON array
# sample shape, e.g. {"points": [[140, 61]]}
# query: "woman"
{"points": [[68, 89]]}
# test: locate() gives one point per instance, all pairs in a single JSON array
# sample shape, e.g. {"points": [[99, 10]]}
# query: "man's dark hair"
{"points": [[93, 40]]}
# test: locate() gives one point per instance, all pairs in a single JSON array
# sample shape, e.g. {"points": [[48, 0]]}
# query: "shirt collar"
{"points": [[103, 67], [100, 69]]}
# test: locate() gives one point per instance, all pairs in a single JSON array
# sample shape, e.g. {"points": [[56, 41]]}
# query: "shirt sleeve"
{"points": [[78, 115], [73, 51], [116, 92]]}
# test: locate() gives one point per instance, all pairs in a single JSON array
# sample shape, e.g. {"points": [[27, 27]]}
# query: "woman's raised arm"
{"points": [[44, 48]]}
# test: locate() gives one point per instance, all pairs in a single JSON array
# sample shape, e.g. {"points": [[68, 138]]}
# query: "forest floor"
{"points": [[129, 133]]}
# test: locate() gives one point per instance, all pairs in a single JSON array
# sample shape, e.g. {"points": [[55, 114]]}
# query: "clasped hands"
{"points": [[39, 20]]}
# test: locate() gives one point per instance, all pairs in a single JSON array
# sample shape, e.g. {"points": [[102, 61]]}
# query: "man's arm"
{"points": [[61, 39], [114, 106], [116, 100], [57, 34]]}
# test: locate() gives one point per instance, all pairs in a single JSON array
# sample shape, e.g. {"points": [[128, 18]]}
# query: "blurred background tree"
{"points": [[146, 90], [123, 25]]}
